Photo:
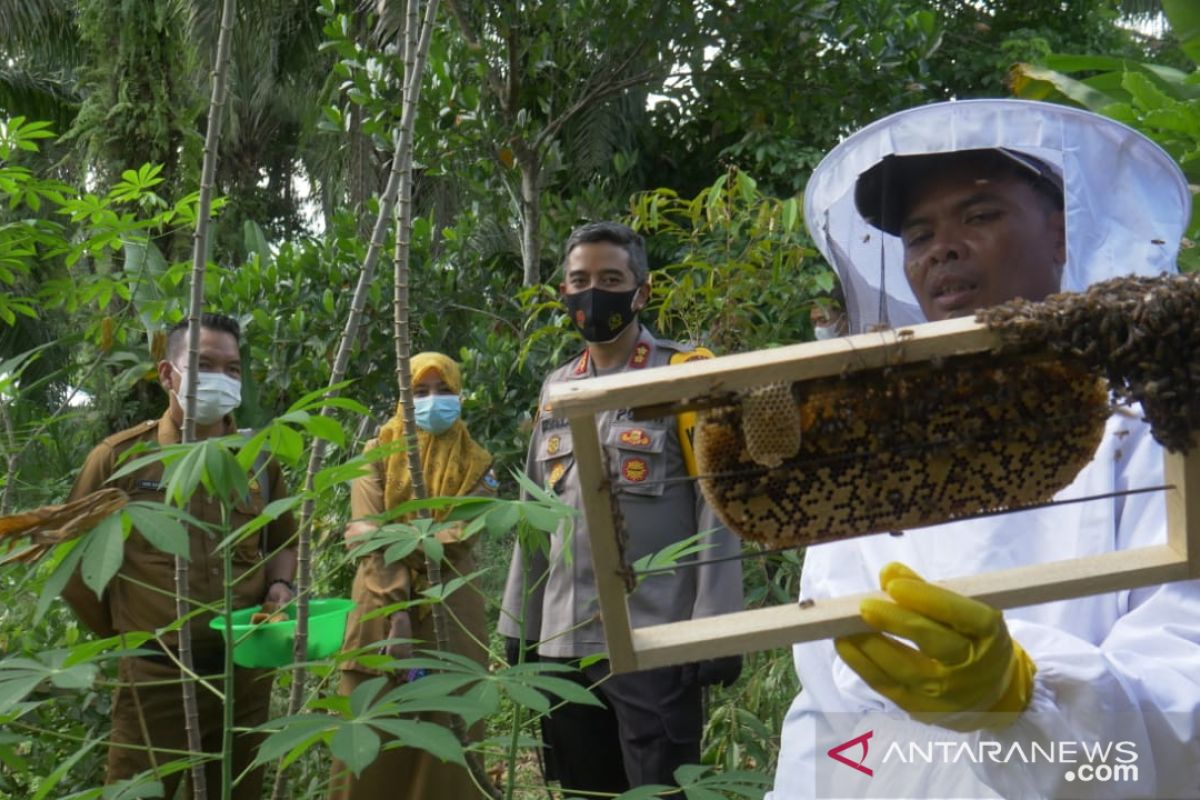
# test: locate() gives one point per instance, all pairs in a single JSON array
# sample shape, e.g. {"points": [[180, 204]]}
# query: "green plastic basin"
{"points": [[270, 644]]}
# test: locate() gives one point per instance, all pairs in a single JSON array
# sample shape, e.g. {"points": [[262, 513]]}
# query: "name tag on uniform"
{"points": [[151, 486]]}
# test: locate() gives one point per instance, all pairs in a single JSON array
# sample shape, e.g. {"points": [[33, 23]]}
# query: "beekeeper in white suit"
{"points": [[932, 213]]}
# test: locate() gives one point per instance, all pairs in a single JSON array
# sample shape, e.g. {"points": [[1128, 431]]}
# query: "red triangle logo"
{"points": [[836, 753]]}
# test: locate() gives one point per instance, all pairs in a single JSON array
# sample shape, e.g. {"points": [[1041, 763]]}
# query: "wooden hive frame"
{"points": [[778, 626]]}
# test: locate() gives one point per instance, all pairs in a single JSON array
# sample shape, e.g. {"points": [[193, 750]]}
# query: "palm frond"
{"points": [[42, 23], [39, 97]]}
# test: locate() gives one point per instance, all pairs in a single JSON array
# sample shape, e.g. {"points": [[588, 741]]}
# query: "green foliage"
{"points": [[775, 85], [138, 103], [353, 728], [352, 731], [46, 726], [745, 720], [739, 270], [95, 230], [1160, 100]]}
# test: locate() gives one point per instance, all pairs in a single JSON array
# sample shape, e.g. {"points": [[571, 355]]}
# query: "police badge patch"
{"points": [[556, 473], [635, 470]]}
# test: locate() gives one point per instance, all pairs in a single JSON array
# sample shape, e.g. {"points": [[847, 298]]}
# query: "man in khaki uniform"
{"points": [[148, 705], [652, 720]]}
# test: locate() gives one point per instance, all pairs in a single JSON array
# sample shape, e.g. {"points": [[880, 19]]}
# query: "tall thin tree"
{"points": [[195, 308], [415, 51], [387, 205]]}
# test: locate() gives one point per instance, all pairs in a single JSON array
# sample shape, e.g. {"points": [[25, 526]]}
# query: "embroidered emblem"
{"points": [[552, 444], [581, 366], [489, 480], [641, 356], [635, 470], [635, 437], [556, 473], [615, 322]]}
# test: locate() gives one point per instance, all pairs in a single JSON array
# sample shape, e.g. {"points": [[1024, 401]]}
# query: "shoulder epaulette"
{"points": [[572, 361], [129, 434], [686, 420], [695, 354]]}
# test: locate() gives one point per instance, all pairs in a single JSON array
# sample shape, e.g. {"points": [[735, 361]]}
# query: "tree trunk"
{"points": [[387, 205], [531, 219], [10, 458], [196, 304], [414, 63]]}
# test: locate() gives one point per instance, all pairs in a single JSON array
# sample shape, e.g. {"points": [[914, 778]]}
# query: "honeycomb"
{"points": [[1142, 334], [771, 424], [900, 447]]}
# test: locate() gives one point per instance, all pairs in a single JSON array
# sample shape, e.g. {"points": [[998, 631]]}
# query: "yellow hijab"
{"points": [[451, 462]]}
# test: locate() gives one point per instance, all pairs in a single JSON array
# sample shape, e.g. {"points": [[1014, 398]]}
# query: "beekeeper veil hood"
{"points": [[1126, 201]]}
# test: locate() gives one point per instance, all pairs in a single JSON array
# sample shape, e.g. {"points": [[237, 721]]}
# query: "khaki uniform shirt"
{"points": [[127, 605], [378, 583], [563, 611]]}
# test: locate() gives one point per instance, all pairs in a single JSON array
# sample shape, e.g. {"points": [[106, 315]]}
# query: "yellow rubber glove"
{"points": [[966, 672]]}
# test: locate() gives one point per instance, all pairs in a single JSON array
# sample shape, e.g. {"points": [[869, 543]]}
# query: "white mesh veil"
{"points": [[1127, 203]]}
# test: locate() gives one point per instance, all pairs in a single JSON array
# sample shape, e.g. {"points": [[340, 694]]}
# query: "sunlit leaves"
{"points": [[19, 134], [64, 560], [662, 561], [741, 272]]}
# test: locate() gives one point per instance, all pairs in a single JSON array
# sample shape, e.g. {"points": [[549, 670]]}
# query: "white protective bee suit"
{"points": [[1120, 668]]}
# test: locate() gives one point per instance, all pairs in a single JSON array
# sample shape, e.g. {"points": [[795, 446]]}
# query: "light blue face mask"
{"points": [[437, 412]]}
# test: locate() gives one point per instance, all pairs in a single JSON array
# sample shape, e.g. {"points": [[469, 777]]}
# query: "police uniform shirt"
{"points": [[562, 610]]}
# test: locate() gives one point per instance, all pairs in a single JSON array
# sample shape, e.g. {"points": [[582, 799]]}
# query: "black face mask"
{"points": [[601, 315]]}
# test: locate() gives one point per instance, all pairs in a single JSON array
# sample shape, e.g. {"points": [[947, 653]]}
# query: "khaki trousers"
{"points": [[142, 709]]}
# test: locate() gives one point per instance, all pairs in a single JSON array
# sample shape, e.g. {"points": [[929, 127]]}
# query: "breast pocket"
{"points": [[556, 456], [638, 455]]}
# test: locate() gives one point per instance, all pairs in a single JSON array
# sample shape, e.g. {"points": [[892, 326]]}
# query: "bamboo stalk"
{"points": [[212, 137], [227, 709], [387, 205], [10, 458], [316, 460], [415, 52]]}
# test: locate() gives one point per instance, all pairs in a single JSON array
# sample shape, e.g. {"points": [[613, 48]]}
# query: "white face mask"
{"points": [[217, 394], [823, 332]]}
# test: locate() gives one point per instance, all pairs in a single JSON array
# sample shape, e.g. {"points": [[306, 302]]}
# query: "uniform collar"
{"points": [[642, 350], [582, 367]]}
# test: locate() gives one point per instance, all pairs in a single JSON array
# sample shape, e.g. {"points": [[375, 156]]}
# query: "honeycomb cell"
{"points": [[912, 447]]}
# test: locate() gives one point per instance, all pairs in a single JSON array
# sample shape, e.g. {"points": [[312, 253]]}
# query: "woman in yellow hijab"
{"points": [[452, 464]]}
